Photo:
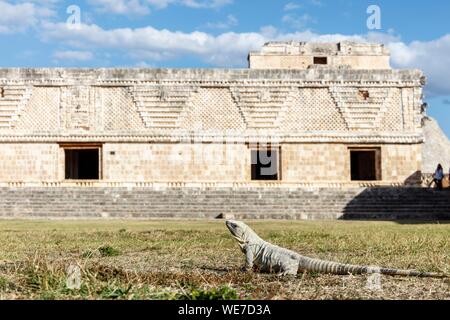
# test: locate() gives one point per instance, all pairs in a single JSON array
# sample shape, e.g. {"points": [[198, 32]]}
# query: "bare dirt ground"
{"points": [[199, 260]]}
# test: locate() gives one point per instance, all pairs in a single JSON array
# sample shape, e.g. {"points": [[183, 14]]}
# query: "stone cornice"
{"points": [[210, 77], [186, 137], [163, 185]]}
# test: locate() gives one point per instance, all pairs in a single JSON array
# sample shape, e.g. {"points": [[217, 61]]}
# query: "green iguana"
{"points": [[267, 257]]}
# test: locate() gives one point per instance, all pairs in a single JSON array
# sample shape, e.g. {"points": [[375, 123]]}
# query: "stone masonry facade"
{"points": [[200, 125], [345, 133]]}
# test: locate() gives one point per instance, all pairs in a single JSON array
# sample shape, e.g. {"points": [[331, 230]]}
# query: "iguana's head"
{"points": [[240, 231]]}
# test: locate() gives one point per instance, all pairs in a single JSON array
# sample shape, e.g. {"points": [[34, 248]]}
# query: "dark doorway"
{"points": [[82, 164], [365, 165], [320, 60], [265, 164]]}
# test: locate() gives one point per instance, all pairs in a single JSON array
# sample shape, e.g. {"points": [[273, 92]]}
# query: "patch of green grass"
{"points": [[112, 291], [108, 251], [3, 283], [222, 293]]}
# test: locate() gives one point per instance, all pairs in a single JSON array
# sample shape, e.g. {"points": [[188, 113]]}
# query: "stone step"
{"points": [[256, 203]]}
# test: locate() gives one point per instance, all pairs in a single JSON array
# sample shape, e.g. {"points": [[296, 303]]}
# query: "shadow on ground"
{"points": [[403, 205]]}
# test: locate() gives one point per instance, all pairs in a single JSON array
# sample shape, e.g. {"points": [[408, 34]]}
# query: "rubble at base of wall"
{"points": [[436, 149]]}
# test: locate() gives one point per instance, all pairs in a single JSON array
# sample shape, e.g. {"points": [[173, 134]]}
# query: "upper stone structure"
{"points": [[301, 55], [314, 105]]}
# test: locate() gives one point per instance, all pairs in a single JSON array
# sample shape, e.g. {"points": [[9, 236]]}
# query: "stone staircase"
{"points": [[399, 203], [240, 203]]}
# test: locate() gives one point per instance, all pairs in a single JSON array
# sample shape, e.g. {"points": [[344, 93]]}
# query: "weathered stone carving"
{"points": [[162, 107], [264, 98], [80, 109], [13, 100], [213, 110], [313, 109], [263, 106], [362, 108]]}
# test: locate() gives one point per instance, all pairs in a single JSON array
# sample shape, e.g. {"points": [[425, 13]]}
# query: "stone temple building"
{"points": [[307, 131]]}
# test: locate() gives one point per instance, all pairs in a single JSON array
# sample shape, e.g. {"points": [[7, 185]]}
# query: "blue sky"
{"points": [[219, 33]]}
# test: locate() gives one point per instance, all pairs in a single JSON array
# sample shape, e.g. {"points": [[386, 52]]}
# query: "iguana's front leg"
{"points": [[248, 258]]}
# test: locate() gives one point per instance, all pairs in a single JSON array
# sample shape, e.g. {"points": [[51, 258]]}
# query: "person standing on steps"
{"points": [[448, 178], [438, 176]]}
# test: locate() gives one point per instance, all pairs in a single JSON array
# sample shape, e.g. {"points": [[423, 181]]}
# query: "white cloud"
{"points": [[45, 3], [143, 7], [433, 57], [160, 4], [225, 49], [231, 21], [292, 6], [317, 3], [199, 4], [73, 55], [120, 6], [230, 49], [298, 21], [21, 16]]}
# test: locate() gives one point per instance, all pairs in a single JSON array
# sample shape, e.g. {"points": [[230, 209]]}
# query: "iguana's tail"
{"points": [[322, 266]]}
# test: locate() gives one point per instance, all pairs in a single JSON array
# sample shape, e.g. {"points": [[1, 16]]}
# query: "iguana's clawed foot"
{"points": [[287, 276], [246, 269]]}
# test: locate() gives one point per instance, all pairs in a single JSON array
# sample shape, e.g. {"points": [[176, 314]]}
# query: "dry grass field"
{"points": [[199, 259]]}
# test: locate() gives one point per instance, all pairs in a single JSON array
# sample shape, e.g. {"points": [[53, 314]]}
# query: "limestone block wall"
{"points": [[298, 55], [176, 162], [401, 162], [363, 62], [232, 162], [303, 62], [28, 162], [204, 162], [279, 62], [331, 162], [315, 162]]}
